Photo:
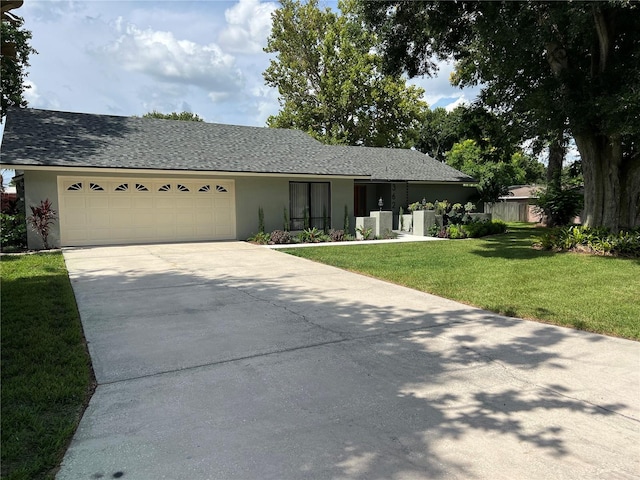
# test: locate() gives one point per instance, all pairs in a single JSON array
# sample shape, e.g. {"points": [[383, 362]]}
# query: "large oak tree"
{"points": [[557, 65], [331, 83], [14, 56]]}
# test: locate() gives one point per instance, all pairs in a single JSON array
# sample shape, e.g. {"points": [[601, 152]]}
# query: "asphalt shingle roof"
{"points": [[35, 137]]}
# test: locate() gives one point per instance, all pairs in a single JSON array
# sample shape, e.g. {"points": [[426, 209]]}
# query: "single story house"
{"points": [[123, 180]]}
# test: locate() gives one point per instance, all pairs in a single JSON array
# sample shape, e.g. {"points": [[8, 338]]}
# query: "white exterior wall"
{"points": [[38, 186]]}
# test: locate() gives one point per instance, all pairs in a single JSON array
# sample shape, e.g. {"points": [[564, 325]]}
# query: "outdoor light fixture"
{"points": [[380, 203]]}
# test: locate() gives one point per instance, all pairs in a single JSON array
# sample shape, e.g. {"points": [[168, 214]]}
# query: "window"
{"points": [[310, 200]]}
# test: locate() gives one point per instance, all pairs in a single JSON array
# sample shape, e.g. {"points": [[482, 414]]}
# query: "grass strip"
{"points": [[46, 370], [504, 274]]}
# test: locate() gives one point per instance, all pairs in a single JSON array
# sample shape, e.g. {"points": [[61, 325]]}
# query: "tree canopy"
{"points": [[554, 65], [331, 83], [185, 116], [14, 53], [482, 144]]}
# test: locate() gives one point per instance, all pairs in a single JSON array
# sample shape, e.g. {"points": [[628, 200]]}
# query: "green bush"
{"points": [[311, 235], [484, 228], [13, 232], [456, 232], [261, 238], [593, 240], [559, 205]]}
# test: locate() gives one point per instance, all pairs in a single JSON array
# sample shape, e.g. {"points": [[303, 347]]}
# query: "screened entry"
{"points": [[310, 205]]}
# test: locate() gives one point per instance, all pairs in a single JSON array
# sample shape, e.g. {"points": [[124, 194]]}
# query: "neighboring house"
{"points": [[119, 180], [8, 197], [517, 206]]}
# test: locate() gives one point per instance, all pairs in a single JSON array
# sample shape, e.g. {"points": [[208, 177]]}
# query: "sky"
{"points": [[131, 57]]}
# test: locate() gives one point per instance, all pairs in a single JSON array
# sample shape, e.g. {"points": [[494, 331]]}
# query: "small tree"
{"points": [[286, 224], [41, 218], [260, 220], [346, 220]]}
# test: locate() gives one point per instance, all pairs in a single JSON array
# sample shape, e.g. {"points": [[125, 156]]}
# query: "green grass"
{"points": [[504, 274], [46, 371]]}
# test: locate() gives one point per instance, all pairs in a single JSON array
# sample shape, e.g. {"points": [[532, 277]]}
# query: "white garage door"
{"points": [[107, 211]]}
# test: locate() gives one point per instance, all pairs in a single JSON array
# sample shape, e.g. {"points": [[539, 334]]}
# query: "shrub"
{"points": [[456, 232], [346, 219], [325, 220], [280, 237], [336, 235], [260, 220], [305, 221], [13, 232], [484, 228], [41, 218], [593, 240], [364, 232], [261, 238], [559, 205], [310, 235]]}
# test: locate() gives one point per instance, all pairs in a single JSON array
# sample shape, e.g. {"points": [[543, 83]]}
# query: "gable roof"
{"points": [[47, 138]]}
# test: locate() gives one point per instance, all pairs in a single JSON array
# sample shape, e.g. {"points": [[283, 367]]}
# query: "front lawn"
{"points": [[504, 274], [46, 370]]}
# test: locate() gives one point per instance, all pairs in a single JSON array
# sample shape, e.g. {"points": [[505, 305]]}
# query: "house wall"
{"points": [[39, 186], [453, 193], [270, 193]]}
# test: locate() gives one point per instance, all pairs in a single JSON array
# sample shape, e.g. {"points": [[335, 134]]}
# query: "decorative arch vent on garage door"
{"points": [[104, 211]]}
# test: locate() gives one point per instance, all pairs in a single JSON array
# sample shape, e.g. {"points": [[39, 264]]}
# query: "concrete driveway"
{"points": [[232, 361]]}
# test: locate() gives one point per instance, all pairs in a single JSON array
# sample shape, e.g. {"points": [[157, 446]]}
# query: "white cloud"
{"points": [[266, 103], [162, 56], [36, 100], [248, 26], [461, 100]]}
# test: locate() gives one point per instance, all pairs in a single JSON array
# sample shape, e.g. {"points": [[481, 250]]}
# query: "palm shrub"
{"points": [[41, 219]]}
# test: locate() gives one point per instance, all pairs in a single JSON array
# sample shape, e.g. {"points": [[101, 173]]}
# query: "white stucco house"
{"points": [[123, 180]]}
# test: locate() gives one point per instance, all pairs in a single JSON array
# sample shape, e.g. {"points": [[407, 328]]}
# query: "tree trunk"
{"points": [[556, 158], [630, 193], [611, 185]]}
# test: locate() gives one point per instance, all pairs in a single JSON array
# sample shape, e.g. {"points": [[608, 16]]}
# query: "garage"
{"points": [[108, 211]]}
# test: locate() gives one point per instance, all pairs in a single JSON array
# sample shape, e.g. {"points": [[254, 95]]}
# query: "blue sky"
{"points": [[127, 58], [130, 57]]}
